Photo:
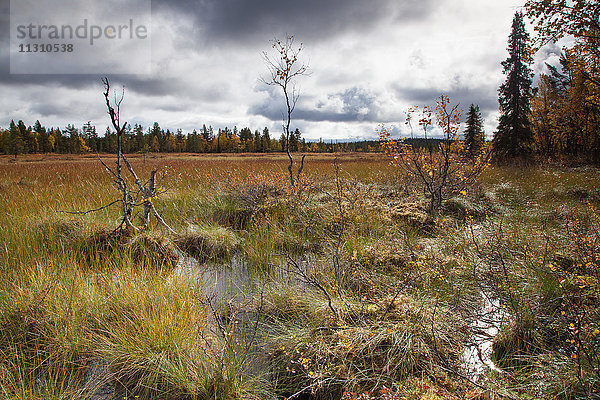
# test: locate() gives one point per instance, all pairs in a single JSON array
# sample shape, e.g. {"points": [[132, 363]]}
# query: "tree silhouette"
{"points": [[513, 136], [16, 144]]}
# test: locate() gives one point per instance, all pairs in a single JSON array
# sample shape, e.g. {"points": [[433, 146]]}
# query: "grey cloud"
{"points": [[215, 22], [550, 54], [486, 99], [244, 20], [273, 111], [47, 109], [358, 105], [77, 81]]}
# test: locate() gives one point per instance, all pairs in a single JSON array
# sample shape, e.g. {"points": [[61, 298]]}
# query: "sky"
{"points": [[201, 62]]}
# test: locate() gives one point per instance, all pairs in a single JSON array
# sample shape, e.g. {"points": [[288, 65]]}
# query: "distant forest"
{"points": [[22, 139]]}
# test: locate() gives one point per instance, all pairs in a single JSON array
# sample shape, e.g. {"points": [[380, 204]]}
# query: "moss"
{"points": [[413, 215], [384, 258], [462, 208], [581, 194]]}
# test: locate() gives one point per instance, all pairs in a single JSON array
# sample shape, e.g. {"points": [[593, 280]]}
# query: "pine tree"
{"points": [[257, 142], [90, 135], [295, 140], [16, 144], [30, 144], [154, 144], [42, 136], [513, 136], [266, 140], [474, 136]]}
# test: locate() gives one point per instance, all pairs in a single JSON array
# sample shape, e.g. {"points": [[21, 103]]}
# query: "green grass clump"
{"points": [[209, 242]]}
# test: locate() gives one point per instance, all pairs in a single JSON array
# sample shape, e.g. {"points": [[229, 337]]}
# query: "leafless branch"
{"points": [[90, 211], [129, 198]]}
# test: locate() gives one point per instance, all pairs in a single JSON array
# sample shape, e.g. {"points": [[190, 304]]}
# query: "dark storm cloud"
{"points": [[76, 81], [206, 63], [218, 21], [272, 109], [132, 83], [244, 20], [150, 86]]}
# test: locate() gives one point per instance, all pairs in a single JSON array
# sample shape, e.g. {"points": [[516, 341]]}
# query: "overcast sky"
{"points": [[370, 60]]}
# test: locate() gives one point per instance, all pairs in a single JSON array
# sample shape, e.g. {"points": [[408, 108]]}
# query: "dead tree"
{"points": [[130, 198], [284, 69], [144, 193]]}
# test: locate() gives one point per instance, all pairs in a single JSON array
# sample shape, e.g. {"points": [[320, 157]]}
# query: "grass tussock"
{"points": [[209, 242]]}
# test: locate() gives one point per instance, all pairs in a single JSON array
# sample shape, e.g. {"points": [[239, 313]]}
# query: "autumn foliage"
{"points": [[566, 108], [441, 172]]}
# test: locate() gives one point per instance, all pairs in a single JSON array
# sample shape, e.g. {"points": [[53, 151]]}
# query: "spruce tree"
{"points": [[474, 136], [513, 136]]}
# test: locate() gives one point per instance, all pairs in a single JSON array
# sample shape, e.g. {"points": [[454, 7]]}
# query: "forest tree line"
{"points": [[22, 139]]}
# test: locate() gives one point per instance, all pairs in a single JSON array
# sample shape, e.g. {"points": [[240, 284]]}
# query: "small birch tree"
{"points": [[440, 172], [284, 69]]}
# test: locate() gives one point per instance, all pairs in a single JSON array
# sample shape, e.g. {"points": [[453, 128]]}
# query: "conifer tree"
{"points": [[513, 136], [16, 140], [474, 135], [266, 140]]}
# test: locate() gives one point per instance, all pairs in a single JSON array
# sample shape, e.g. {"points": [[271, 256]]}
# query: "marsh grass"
{"points": [[75, 294]]}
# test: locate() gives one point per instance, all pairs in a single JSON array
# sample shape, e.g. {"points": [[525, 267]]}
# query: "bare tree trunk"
{"points": [[148, 193]]}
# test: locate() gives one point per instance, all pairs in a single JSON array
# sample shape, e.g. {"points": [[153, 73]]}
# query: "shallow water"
{"points": [[477, 357], [230, 281]]}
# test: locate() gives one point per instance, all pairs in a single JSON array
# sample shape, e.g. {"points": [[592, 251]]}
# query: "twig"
{"points": [[479, 385], [311, 281], [298, 393], [160, 219], [90, 211], [401, 287]]}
